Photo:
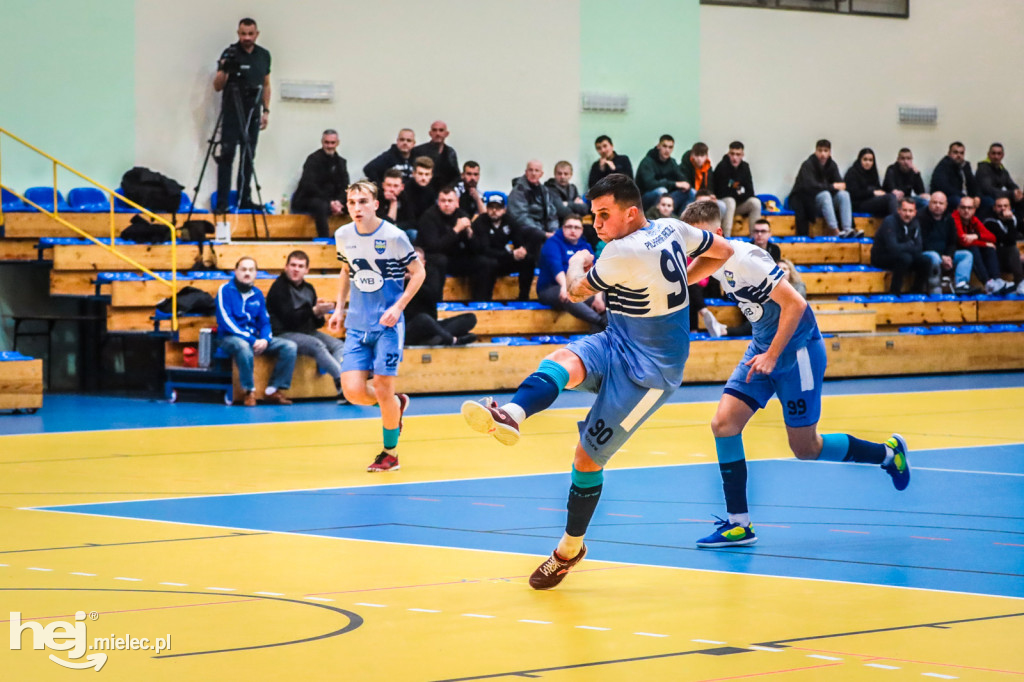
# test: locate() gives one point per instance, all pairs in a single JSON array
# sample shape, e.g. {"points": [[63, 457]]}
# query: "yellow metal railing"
{"points": [[55, 214]]}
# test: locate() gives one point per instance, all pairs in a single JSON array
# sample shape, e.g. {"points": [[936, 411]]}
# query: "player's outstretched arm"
{"points": [[710, 261], [576, 275]]}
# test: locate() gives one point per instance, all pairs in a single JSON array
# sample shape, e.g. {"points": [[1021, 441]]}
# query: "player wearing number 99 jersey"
{"points": [[786, 358], [633, 366]]}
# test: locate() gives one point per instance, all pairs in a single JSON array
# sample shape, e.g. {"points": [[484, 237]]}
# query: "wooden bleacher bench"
{"points": [[784, 225], [35, 225], [21, 382]]}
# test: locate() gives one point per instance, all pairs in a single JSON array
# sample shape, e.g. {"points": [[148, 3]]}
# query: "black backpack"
{"points": [[141, 231], [152, 190], [190, 300]]}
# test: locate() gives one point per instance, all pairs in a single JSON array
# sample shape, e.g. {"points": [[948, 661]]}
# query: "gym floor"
{"points": [[253, 543]]}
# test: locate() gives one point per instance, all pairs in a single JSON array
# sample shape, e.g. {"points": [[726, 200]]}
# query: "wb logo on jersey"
{"points": [[368, 280], [379, 245]]}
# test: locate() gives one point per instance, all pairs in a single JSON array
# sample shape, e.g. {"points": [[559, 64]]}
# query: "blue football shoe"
{"points": [[729, 535], [899, 468]]}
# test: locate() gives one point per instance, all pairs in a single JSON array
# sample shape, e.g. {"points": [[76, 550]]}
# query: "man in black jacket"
{"points": [[953, 176], [608, 161], [904, 180], [502, 241], [897, 248], [470, 199], [995, 181], [939, 243], [321, 190], [446, 160], [1003, 224], [734, 185], [419, 194], [819, 190], [446, 236], [530, 204], [563, 192], [296, 313], [398, 156], [394, 205]]}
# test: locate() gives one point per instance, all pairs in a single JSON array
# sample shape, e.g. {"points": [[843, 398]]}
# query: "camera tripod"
{"points": [[246, 156]]}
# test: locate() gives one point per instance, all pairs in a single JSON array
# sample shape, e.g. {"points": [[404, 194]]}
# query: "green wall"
{"points": [[68, 87], [649, 50]]}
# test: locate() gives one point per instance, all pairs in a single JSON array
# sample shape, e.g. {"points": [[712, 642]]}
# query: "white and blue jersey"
{"points": [[748, 278], [376, 269], [643, 277]]}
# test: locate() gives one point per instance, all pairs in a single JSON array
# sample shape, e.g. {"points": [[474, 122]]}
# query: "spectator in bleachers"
{"points": [[297, 314], [551, 282], [761, 236], [398, 156], [608, 161], [423, 328], [819, 190], [939, 242], [243, 331], [659, 174], [446, 161], [696, 168], [793, 276], [502, 241], [564, 193], [734, 186], [866, 193], [321, 190], [1003, 224], [665, 208], [446, 236], [530, 204], [976, 238], [994, 180], [393, 206], [470, 199], [898, 248], [904, 180], [419, 192], [953, 177]]}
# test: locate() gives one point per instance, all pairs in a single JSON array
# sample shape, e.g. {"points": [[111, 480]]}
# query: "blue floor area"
{"points": [[950, 530], [62, 413]]}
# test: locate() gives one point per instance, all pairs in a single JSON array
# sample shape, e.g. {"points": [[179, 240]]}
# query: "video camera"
{"points": [[230, 63]]}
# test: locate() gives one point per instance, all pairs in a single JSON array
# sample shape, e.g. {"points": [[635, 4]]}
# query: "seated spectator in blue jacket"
{"points": [[994, 181], [530, 204], [939, 241], [398, 156], [324, 181], [954, 178], [866, 193], [898, 248], [819, 190], [564, 193], [608, 161], [734, 186], [658, 174], [297, 314], [243, 331], [551, 283], [904, 180]]}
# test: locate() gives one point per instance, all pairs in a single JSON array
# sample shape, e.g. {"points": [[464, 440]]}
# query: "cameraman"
{"points": [[242, 68]]}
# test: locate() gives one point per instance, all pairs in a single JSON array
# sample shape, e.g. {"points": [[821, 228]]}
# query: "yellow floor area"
{"points": [[242, 605]]}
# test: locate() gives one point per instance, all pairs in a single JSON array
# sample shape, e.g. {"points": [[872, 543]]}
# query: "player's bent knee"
{"points": [[583, 462], [722, 427], [572, 363], [805, 448], [383, 386]]}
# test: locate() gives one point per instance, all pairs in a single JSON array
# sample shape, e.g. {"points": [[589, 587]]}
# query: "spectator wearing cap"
{"points": [[501, 240]]}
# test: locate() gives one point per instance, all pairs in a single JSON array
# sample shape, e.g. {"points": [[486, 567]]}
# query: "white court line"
{"points": [[131, 580], [706, 641], [426, 610], [36, 568], [915, 467], [755, 647], [824, 658], [222, 589], [649, 634], [538, 622], [941, 677], [176, 584], [319, 599], [477, 615], [881, 667], [270, 594], [88, 575], [591, 627], [373, 606]]}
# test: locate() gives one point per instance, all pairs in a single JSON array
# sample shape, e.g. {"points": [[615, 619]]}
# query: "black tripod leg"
{"points": [[213, 141], [247, 156]]}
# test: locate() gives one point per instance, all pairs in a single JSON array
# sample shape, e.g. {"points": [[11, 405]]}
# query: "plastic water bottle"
{"points": [[205, 350], [284, 204]]}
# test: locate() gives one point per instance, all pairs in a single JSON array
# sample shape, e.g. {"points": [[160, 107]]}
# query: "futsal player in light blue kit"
{"points": [[633, 366], [375, 256], [786, 358]]}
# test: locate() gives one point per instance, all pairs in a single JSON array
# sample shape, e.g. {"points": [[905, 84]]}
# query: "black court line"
{"points": [[354, 619], [718, 651], [93, 545]]}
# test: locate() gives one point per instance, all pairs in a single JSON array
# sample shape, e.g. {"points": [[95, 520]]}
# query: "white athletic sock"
{"points": [[271, 390], [569, 546], [517, 413], [741, 519], [889, 455]]}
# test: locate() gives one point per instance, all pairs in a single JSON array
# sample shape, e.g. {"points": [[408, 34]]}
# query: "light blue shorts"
{"points": [[379, 350], [622, 405], [796, 379]]}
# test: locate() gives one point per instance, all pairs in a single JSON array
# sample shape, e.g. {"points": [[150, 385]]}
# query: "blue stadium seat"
{"points": [[11, 203], [232, 202], [88, 200], [120, 206], [186, 204], [43, 196]]}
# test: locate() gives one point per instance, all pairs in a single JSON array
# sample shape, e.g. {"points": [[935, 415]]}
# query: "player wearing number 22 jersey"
{"points": [[633, 366], [786, 357]]}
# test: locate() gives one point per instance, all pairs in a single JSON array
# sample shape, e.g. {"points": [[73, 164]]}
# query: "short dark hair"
{"points": [[666, 138], [447, 189], [699, 149], [996, 144], [908, 200], [904, 150], [470, 164], [247, 21], [702, 213], [620, 187], [955, 144], [703, 192], [735, 144], [823, 143], [394, 173], [570, 216], [763, 220], [298, 255], [603, 138]]}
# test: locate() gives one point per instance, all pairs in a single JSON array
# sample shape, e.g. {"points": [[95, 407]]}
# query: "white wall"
{"points": [[779, 80], [504, 76]]}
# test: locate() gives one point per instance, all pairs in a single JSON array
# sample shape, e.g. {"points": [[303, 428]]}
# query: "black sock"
{"points": [[865, 452], [734, 484], [581, 505]]}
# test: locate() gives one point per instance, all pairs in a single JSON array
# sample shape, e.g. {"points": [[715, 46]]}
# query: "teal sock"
{"points": [[390, 439]]}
